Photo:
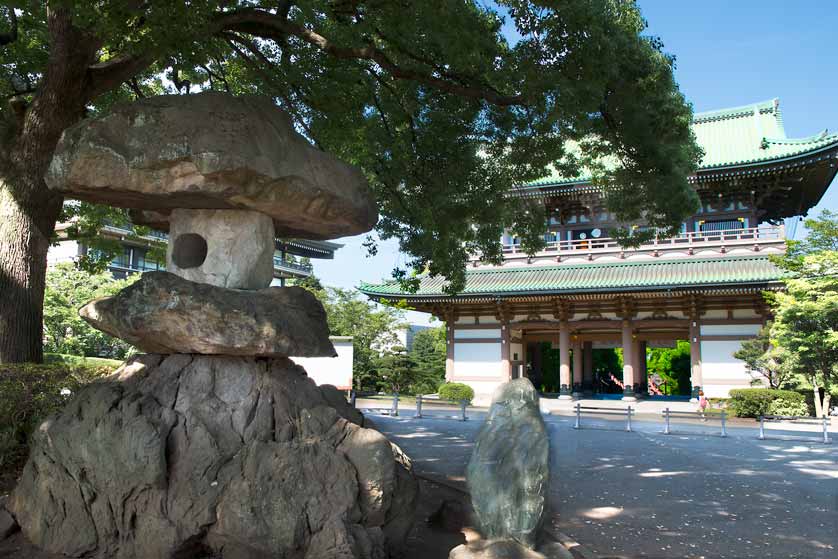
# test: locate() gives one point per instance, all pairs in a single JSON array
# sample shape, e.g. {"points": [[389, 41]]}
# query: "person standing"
{"points": [[702, 404]]}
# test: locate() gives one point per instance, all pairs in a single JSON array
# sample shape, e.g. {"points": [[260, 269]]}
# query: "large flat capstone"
{"points": [[211, 151], [508, 474], [164, 313], [213, 456]]}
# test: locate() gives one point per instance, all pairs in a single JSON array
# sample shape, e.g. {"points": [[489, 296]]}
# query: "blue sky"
{"points": [[729, 53]]}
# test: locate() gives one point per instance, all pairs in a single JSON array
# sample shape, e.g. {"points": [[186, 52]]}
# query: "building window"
{"points": [[123, 260], [721, 225]]}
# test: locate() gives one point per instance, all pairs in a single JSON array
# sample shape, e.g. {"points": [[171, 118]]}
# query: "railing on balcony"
{"points": [[282, 264], [697, 239]]}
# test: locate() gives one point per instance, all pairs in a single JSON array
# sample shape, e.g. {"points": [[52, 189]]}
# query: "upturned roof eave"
{"points": [[701, 172], [524, 293]]}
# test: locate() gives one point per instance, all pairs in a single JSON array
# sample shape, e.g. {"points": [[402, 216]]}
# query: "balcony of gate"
{"points": [[769, 238]]}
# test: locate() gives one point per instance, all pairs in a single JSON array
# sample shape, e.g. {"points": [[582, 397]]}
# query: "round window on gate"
{"points": [[189, 250]]}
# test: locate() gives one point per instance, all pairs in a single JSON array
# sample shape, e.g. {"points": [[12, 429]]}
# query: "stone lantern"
{"points": [[213, 442]]}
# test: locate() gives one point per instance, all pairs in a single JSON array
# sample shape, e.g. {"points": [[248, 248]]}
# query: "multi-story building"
{"points": [[585, 292], [291, 259]]}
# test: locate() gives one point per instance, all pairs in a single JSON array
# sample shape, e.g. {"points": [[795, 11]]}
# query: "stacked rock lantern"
{"points": [[224, 176], [214, 441]]}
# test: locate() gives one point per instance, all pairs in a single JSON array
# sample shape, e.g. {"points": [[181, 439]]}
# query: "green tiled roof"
{"points": [[620, 276], [736, 136]]}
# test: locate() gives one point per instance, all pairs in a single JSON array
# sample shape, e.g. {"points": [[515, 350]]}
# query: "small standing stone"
{"points": [[508, 474]]}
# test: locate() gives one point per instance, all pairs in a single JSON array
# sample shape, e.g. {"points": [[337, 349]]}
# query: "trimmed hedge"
{"points": [[784, 407], [28, 394], [456, 391], [753, 402]]}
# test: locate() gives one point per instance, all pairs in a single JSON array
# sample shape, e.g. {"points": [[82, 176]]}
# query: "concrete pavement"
{"points": [[645, 494]]}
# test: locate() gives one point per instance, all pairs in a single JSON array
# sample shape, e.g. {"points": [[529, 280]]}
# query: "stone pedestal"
{"points": [[231, 457], [225, 248]]}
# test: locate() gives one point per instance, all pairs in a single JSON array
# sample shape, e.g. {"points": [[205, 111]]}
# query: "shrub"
{"points": [[28, 394], [456, 391], [784, 407], [753, 402], [63, 358]]}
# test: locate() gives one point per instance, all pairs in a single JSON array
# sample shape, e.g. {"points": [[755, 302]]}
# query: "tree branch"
{"points": [[234, 41], [269, 26], [135, 87], [108, 75]]}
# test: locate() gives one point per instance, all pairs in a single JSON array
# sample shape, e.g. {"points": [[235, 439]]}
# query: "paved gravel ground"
{"points": [[645, 494]]}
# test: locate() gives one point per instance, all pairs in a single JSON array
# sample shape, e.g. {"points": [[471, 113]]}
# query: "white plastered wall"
{"points": [[336, 371], [720, 370], [474, 333], [65, 251], [479, 366]]}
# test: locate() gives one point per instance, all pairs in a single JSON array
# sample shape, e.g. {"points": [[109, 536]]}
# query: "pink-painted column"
{"points": [[628, 362]]}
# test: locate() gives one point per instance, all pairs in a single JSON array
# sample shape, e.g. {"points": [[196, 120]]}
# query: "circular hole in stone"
{"points": [[189, 251]]}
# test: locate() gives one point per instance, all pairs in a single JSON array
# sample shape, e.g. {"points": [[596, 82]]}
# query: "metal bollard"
{"points": [[578, 417], [463, 409], [418, 406], [825, 430], [394, 411], [628, 419], [666, 430], [761, 428], [352, 398], [724, 431]]}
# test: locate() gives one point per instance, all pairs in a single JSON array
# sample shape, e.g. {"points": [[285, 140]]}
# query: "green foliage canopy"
{"points": [[442, 110], [68, 289], [428, 355], [372, 327], [396, 372], [765, 359], [806, 314], [673, 365]]}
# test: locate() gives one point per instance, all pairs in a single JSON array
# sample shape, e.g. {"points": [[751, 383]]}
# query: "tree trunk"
{"points": [[25, 231], [28, 209], [818, 407]]}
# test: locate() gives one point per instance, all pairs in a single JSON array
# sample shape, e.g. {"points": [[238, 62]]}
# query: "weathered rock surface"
{"points": [[164, 313], [451, 516], [493, 549], [178, 455], [8, 525], [226, 248], [508, 474], [212, 151], [507, 549]]}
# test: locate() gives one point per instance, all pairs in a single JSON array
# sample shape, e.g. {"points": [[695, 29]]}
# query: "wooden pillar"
{"points": [[577, 370], [628, 362], [506, 364], [564, 361], [695, 357], [588, 377], [524, 371], [449, 358]]}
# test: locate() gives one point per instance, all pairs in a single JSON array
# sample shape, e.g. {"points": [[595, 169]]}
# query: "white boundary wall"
{"points": [[336, 371], [721, 372], [478, 363]]}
